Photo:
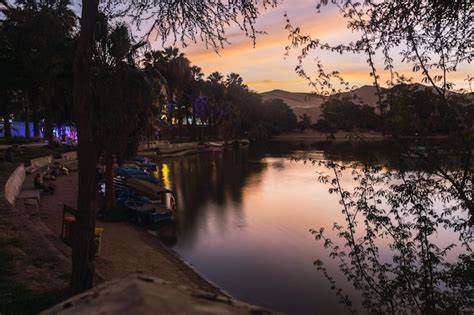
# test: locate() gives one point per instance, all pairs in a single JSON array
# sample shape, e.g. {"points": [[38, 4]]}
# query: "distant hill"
{"points": [[310, 104], [300, 103]]}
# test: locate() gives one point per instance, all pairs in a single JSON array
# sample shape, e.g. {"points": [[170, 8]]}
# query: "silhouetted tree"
{"points": [[182, 20]]}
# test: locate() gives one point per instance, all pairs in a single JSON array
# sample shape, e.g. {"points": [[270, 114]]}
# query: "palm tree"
{"points": [[194, 90], [215, 90], [125, 98], [40, 33], [305, 122], [176, 69]]}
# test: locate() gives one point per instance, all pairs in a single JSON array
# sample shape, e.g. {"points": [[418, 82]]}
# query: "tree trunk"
{"points": [[83, 243], [7, 127], [27, 119], [36, 129], [193, 129], [109, 181], [48, 131]]}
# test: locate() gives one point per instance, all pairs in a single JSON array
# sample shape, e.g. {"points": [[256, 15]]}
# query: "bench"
{"points": [[30, 194]]}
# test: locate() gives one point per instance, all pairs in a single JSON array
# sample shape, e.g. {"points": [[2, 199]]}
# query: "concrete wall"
{"points": [[14, 184], [144, 146], [42, 161], [69, 156]]}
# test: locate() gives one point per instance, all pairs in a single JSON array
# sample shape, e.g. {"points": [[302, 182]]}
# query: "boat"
{"points": [[147, 202], [215, 145], [147, 189], [147, 212], [127, 173], [145, 163], [415, 152]]}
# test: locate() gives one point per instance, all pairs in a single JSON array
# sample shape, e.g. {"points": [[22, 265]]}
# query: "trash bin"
{"points": [[98, 240]]}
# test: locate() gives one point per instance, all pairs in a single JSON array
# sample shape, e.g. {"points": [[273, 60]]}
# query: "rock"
{"points": [[146, 295]]}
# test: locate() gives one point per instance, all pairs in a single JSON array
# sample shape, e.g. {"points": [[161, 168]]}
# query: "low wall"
{"points": [[144, 146], [14, 184], [42, 161], [184, 145], [69, 156]]}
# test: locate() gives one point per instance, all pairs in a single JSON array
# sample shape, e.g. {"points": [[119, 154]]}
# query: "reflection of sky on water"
{"points": [[243, 221]]}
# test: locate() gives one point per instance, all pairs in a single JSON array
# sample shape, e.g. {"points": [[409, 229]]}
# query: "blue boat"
{"points": [[144, 163], [147, 213], [148, 203], [127, 172]]}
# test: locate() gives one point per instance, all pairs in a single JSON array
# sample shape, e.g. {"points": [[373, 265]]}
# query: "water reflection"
{"points": [[208, 185], [243, 219]]}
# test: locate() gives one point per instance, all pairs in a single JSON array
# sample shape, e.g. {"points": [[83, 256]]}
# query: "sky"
{"points": [[265, 66]]}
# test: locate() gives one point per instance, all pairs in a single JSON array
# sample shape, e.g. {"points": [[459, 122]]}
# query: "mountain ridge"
{"points": [[310, 104]]}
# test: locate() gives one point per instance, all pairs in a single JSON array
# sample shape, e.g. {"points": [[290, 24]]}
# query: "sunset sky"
{"points": [[265, 66]]}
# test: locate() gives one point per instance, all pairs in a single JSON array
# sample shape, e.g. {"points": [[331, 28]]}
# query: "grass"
{"points": [[16, 298]]}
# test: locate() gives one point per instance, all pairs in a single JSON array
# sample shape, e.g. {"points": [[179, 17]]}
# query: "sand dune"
{"points": [[310, 104]]}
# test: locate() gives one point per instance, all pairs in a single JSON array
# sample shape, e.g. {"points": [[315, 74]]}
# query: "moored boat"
{"points": [[146, 212], [149, 203]]}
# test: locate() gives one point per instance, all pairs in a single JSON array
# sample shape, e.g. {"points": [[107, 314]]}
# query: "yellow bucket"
{"points": [[98, 240]]}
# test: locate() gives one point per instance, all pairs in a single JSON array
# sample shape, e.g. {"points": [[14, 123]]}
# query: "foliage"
{"points": [[279, 116], [432, 37], [124, 94], [305, 122], [36, 59], [182, 20], [401, 212]]}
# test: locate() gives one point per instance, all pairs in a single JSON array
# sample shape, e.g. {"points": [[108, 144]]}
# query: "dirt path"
{"points": [[126, 248], [33, 274]]}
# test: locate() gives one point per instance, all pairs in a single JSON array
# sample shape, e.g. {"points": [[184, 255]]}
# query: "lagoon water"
{"points": [[243, 222]]}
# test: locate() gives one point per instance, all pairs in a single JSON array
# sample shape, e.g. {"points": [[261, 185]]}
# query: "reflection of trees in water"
{"points": [[391, 153], [204, 180], [406, 210]]}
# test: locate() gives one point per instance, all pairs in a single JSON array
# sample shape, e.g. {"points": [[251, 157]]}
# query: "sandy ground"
{"points": [[126, 248]]}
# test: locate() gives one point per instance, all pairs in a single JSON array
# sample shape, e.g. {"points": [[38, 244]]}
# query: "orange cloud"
{"points": [[264, 67]]}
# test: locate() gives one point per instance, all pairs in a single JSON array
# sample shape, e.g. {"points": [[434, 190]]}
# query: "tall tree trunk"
{"points": [[48, 131], [109, 181], [7, 127], [36, 129], [27, 119], [83, 243], [193, 129]]}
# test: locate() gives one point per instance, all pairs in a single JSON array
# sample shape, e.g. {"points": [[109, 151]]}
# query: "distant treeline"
{"points": [[408, 110], [138, 92]]}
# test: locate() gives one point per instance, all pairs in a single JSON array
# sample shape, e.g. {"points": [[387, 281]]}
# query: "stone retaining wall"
{"points": [[42, 161], [144, 146], [14, 184], [69, 156]]}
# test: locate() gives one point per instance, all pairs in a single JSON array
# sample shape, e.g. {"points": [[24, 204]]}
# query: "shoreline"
{"points": [[342, 136], [142, 253], [137, 252]]}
